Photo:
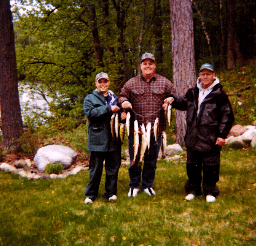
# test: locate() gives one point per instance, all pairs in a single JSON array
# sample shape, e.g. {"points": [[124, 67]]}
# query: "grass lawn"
{"points": [[52, 212]]}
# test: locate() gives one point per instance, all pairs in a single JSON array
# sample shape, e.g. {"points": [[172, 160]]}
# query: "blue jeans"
{"points": [[149, 165]]}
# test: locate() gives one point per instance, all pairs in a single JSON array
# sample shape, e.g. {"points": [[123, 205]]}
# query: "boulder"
{"points": [[248, 135], [20, 163], [7, 168], [235, 142], [54, 154], [236, 131], [173, 149], [253, 142]]}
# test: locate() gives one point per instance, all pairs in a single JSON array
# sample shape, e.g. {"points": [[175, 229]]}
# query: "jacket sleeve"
{"points": [[180, 102], [92, 110], [227, 116]]}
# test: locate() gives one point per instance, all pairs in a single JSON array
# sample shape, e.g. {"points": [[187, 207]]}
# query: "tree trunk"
{"points": [[95, 36], [233, 49], [204, 30], [121, 7], [183, 56], [9, 94], [158, 35]]}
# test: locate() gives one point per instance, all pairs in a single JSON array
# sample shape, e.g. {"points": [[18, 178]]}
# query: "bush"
{"points": [[55, 168]]}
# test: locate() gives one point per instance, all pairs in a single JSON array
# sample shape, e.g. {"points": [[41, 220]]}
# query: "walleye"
{"points": [[122, 132], [128, 117], [156, 126], [143, 145], [164, 144], [169, 114], [112, 126], [136, 141], [148, 132], [116, 125]]}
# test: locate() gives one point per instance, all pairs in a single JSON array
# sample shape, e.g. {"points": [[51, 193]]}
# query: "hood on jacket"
{"points": [[199, 84]]}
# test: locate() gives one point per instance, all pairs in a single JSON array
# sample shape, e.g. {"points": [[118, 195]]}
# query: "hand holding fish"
{"points": [[167, 101], [126, 104], [114, 108], [123, 115]]}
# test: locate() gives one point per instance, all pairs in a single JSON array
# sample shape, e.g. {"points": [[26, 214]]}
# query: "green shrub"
{"points": [[55, 168]]}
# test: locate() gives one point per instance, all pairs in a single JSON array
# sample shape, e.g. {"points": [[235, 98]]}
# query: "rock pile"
{"points": [[241, 137]]}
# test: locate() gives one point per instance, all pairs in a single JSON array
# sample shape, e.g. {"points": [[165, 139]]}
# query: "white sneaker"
{"points": [[150, 191], [88, 200], [133, 192], [210, 198], [190, 197], [112, 198]]}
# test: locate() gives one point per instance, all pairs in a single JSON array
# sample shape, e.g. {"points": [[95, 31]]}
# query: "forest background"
{"points": [[61, 45]]}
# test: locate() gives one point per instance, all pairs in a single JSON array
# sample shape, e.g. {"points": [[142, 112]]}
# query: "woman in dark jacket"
{"points": [[99, 107], [209, 120]]}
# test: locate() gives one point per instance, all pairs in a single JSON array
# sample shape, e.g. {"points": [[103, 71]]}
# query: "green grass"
{"points": [[52, 212]]}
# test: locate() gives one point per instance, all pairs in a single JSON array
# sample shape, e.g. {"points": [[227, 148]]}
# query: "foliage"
{"points": [[52, 212], [54, 168], [29, 141], [240, 84], [55, 44]]}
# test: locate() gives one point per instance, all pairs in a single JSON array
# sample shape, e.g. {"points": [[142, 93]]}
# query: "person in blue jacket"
{"points": [[99, 107]]}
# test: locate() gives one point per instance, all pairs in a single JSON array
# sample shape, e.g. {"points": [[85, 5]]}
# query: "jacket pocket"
{"points": [[137, 94], [96, 137], [159, 93]]}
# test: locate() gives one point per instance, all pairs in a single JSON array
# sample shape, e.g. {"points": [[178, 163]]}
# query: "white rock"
{"points": [[37, 176], [22, 173], [248, 135], [28, 162], [236, 142], [53, 176], [173, 149], [53, 154], [8, 168], [250, 127], [63, 176], [253, 142], [76, 170]]}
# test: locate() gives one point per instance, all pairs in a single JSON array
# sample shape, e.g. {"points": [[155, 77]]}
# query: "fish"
{"points": [[122, 132], [143, 145], [136, 141], [148, 132], [116, 126], [169, 114], [164, 143], [112, 126], [128, 117], [156, 126]]}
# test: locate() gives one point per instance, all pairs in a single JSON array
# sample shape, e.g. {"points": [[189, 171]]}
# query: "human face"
{"points": [[102, 86], [148, 68], [206, 77]]}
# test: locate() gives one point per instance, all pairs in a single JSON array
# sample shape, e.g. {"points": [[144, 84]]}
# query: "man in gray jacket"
{"points": [[209, 120], [99, 107]]}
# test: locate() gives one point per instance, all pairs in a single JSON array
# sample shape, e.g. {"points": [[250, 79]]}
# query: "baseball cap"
{"points": [[101, 75], [147, 56], [207, 66]]}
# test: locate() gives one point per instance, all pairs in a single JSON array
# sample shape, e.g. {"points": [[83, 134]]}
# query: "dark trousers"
{"points": [[112, 164], [209, 164], [147, 174]]}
